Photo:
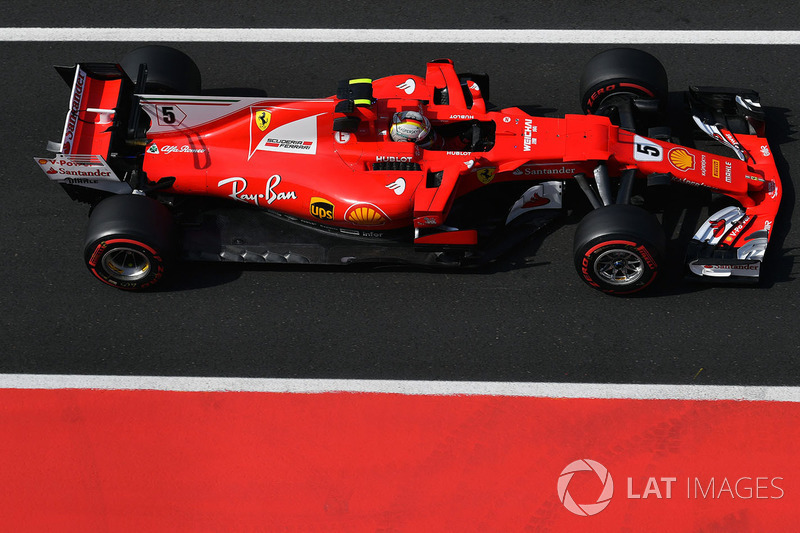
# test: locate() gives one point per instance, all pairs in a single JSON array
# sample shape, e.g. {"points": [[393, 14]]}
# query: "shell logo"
{"points": [[681, 159], [366, 215]]}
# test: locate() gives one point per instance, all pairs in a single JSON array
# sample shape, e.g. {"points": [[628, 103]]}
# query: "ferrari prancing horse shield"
{"points": [[485, 175], [262, 119]]}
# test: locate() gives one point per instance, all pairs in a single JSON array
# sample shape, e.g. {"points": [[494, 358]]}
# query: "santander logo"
{"points": [[591, 508]]}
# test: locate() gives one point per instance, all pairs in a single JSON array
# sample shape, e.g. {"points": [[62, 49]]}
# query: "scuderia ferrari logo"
{"points": [[262, 118], [287, 132]]}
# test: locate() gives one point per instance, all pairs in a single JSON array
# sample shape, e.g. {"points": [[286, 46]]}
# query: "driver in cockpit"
{"points": [[413, 126]]}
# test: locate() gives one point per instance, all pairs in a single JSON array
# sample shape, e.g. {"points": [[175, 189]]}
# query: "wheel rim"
{"points": [[126, 264], [619, 266]]}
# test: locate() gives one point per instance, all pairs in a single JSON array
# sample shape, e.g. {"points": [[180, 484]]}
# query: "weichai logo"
{"points": [[321, 208]]}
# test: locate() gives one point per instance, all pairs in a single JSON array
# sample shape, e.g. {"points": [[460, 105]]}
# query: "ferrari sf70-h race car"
{"points": [[172, 174]]}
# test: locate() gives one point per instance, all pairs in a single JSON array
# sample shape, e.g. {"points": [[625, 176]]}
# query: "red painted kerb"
{"points": [[114, 460]]}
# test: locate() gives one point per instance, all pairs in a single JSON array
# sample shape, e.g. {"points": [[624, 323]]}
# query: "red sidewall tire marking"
{"points": [[626, 243], [645, 90], [93, 263], [137, 243], [607, 243], [107, 281]]}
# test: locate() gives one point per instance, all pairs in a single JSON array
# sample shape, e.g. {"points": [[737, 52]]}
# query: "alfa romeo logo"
{"points": [[585, 509]]}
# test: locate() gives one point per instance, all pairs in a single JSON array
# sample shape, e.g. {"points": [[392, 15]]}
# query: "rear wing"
{"points": [[96, 91], [84, 171], [94, 132]]}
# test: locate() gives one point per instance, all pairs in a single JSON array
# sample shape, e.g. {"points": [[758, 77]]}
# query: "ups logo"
{"points": [[321, 208]]}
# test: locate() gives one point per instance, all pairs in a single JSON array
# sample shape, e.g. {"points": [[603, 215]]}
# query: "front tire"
{"points": [[619, 249], [130, 242], [622, 73]]}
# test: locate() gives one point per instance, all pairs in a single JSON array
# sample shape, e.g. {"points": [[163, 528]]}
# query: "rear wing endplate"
{"points": [[94, 100]]}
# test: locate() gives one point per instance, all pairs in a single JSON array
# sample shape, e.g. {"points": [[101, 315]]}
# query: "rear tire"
{"points": [[622, 72], [619, 249], [169, 71], [130, 242]]}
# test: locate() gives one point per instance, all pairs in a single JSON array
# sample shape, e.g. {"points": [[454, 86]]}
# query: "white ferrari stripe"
{"points": [[366, 35], [434, 388]]}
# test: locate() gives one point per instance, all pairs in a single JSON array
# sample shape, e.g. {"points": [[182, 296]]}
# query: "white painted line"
{"points": [[394, 36], [433, 388]]}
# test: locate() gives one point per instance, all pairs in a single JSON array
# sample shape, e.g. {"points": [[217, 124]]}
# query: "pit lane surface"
{"points": [[528, 318]]}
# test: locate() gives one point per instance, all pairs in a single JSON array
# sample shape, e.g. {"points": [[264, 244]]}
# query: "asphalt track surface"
{"points": [[527, 318]]}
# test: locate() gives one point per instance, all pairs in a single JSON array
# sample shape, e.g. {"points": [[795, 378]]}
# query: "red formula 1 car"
{"points": [[415, 169]]}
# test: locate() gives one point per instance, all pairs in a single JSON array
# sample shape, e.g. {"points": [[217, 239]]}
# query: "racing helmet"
{"points": [[409, 126]]}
